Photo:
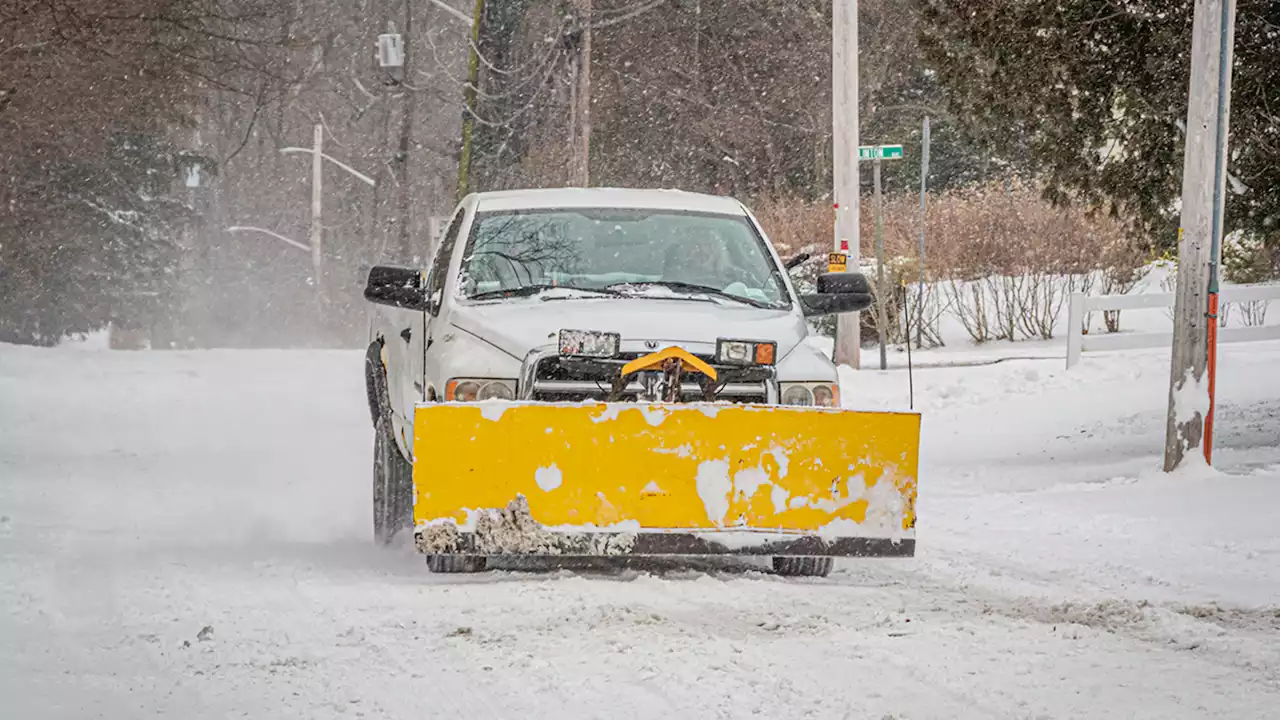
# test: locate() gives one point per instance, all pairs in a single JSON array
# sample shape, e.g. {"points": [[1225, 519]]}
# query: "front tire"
{"points": [[803, 566], [457, 563], [392, 486]]}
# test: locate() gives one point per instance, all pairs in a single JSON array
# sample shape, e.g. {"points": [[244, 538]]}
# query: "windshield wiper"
{"points": [[695, 288], [531, 290]]}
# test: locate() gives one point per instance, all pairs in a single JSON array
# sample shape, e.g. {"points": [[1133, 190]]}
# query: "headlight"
{"points": [[466, 390], [745, 352], [589, 343], [797, 395], [819, 394], [496, 391], [826, 395]]}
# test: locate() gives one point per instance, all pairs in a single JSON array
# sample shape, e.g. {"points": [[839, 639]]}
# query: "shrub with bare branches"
{"points": [[1246, 259], [1124, 265], [999, 258]]}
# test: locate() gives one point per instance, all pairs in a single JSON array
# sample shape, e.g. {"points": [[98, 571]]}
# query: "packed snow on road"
{"points": [[187, 535]]}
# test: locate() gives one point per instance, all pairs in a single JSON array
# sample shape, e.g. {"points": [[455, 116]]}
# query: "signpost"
{"points": [[924, 221], [876, 153], [838, 261]]}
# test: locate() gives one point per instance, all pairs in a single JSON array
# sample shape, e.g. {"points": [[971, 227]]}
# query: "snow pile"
{"points": [[1191, 399], [512, 530]]}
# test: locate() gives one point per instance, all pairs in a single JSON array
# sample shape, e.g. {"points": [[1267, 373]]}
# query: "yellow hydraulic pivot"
{"points": [[654, 361]]}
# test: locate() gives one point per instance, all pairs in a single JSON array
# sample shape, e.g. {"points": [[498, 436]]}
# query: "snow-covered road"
{"points": [[186, 535]]}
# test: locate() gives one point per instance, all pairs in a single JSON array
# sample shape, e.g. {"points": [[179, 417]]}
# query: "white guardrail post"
{"points": [[1080, 305]]}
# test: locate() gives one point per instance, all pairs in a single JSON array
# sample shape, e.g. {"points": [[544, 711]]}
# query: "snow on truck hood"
{"points": [[517, 326]]}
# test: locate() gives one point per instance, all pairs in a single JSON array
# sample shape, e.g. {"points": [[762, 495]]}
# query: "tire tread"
{"points": [[457, 563], [803, 565]]}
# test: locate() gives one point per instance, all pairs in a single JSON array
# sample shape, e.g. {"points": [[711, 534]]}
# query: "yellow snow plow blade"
{"points": [[685, 479]]}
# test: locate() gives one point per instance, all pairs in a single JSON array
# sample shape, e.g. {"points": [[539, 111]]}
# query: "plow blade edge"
{"points": [[686, 479]]}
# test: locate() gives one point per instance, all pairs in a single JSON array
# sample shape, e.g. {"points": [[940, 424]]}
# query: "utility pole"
{"points": [[469, 101], [580, 105], [882, 293], [404, 207], [318, 157], [1200, 231], [844, 137], [317, 206], [924, 222]]}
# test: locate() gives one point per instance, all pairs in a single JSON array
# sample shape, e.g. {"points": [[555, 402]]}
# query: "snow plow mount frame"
{"points": [[622, 380]]}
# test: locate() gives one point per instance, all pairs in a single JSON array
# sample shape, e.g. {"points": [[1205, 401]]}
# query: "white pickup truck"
{"points": [[648, 268]]}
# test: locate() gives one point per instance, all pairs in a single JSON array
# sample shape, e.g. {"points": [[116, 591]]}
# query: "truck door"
{"points": [[398, 327], [436, 282]]}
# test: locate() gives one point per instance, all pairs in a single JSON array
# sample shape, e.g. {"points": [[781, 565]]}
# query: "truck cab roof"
{"points": [[658, 199]]}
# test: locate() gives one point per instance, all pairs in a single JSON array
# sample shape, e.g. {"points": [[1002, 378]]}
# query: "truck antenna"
{"points": [[911, 382]]}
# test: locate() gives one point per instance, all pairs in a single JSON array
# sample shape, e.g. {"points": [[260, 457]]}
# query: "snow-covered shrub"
{"points": [[1017, 259], [923, 304], [1124, 265], [893, 292], [1246, 259], [1167, 263]]}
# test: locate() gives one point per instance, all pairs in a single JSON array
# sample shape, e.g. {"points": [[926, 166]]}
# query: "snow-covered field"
{"points": [[186, 535]]}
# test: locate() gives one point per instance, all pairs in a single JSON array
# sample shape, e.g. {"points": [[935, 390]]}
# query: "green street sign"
{"points": [[887, 152]]}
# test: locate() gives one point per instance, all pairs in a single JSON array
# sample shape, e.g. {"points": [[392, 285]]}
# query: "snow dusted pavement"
{"points": [[186, 535]]}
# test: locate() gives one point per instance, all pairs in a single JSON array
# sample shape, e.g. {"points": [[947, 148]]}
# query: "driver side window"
{"points": [[440, 266]]}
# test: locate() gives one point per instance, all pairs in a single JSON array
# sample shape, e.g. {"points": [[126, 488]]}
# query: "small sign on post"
{"points": [[837, 262], [390, 50], [879, 152]]}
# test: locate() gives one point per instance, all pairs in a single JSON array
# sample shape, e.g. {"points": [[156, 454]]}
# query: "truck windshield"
{"points": [[617, 251]]}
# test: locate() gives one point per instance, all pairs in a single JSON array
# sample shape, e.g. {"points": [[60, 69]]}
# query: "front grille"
{"points": [[554, 381]]}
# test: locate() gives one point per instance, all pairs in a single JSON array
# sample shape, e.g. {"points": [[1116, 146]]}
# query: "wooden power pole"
{"points": [[405, 247], [845, 176], [1200, 231], [469, 99], [580, 110]]}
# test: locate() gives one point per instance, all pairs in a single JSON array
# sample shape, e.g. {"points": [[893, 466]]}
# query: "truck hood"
{"points": [[518, 326]]}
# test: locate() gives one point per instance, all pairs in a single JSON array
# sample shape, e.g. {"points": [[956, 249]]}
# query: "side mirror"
{"points": [[838, 293], [843, 283], [400, 287]]}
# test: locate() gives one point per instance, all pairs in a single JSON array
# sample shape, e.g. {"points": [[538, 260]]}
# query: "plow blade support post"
{"points": [[688, 479]]}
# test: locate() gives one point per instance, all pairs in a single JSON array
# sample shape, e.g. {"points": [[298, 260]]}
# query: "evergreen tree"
{"points": [[1095, 94]]}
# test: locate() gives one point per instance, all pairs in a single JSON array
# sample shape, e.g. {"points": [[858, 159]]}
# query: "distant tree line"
{"points": [[1084, 98], [134, 133], [730, 96]]}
